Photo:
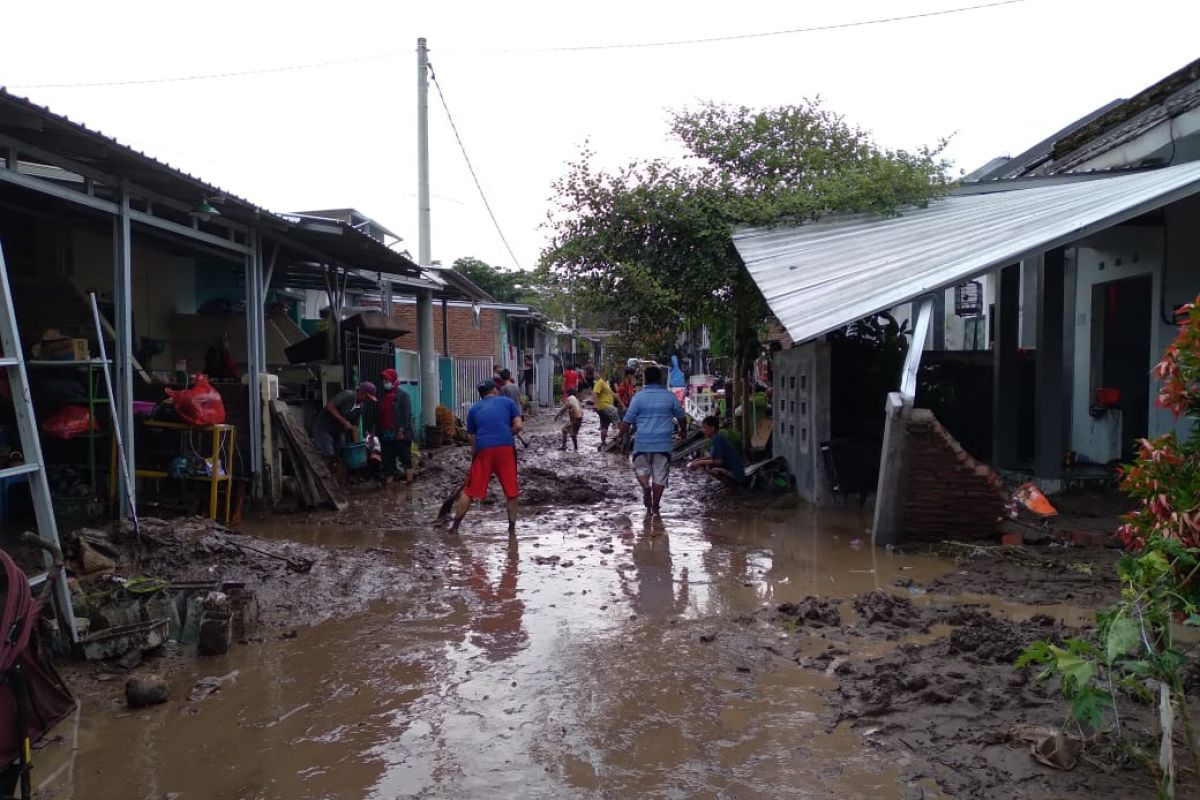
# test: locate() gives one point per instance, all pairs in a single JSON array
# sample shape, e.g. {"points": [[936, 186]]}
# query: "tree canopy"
{"points": [[654, 237], [504, 285]]}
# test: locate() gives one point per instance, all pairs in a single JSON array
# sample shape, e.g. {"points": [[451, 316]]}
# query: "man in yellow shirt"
{"points": [[606, 407]]}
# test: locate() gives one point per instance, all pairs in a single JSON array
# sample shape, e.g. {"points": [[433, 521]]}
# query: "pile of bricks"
{"points": [[947, 493]]}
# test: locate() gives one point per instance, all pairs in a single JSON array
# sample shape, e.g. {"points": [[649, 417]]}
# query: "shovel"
{"points": [[301, 565]]}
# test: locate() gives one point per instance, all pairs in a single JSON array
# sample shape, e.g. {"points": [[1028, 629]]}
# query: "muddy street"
{"points": [[604, 654]]}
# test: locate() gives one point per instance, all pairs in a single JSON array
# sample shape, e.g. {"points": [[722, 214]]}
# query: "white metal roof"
{"points": [[822, 275]]}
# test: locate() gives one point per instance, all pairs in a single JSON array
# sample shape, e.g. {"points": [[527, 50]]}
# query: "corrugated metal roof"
{"points": [[823, 275], [27, 122]]}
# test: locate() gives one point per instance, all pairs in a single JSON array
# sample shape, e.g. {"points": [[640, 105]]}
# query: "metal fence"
{"points": [[366, 358], [468, 374]]}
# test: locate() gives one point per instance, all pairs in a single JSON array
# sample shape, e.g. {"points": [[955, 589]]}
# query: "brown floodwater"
{"points": [[597, 657]]}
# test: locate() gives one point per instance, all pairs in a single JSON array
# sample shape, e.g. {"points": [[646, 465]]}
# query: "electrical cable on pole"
{"points": [[437, 85]]}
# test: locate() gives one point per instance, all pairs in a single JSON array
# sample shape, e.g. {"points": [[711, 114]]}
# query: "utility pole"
{"points": [[429, 365], [424, 250]]}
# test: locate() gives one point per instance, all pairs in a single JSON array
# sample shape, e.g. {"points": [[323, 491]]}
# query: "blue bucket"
{"points": [[355, 455]]}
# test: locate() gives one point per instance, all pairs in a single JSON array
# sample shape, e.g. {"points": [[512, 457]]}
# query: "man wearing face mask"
{"points": [[395, 429]]}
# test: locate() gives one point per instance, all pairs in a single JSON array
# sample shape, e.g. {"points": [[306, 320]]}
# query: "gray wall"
{"points": [[801, 413]]}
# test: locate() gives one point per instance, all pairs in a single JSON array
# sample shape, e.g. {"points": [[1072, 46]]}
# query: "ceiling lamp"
{"points": [[205, 211]]}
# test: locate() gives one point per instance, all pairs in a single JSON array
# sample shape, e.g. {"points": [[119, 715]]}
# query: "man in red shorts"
{"points": [[491, 423]]}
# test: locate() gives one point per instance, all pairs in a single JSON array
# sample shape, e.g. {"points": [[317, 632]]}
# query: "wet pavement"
{"points": [[595, 657]]}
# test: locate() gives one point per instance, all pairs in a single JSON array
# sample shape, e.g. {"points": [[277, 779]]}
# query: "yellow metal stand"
{"points": [[220, 454]]}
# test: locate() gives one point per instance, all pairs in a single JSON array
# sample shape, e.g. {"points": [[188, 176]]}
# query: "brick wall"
{"points": [[947, 493], [465, 339]]}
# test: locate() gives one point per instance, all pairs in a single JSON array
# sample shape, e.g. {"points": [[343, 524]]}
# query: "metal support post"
{"points": [[255, 356], [445, 328], [916, 346], [123, 349]]}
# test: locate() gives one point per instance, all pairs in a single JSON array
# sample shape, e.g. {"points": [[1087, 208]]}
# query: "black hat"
{"points": [[486, 387]]}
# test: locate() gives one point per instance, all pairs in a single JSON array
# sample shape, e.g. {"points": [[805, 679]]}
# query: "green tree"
{"points": [[654, 237], [505, 285]]}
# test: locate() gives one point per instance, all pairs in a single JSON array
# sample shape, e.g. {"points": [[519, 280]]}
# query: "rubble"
{"points": [[146, 690]]}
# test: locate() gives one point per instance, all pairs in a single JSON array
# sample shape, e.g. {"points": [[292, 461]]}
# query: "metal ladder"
{"points": [[12, 359]]}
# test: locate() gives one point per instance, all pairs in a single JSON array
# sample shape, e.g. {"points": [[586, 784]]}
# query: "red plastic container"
{"points": [[1108, 397]]}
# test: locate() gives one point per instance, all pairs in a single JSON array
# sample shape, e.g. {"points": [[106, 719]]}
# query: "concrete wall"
{"points": [[1125, 252], [801, 413]]}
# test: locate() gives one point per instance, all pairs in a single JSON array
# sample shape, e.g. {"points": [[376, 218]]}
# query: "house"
{"points": [[1071, 258], [182, 269]]}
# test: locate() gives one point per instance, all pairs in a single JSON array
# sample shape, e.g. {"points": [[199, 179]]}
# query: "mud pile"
{"points": [[955, 709], [295, 584], [547, 478], [814, 612]]}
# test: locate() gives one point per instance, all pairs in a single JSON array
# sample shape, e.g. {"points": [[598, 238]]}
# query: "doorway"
{"points": [[1121, 346]]}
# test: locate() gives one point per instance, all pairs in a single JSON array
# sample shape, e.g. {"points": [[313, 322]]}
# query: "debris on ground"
{"points": [[812, 611], [146, 690], [955, 709]]}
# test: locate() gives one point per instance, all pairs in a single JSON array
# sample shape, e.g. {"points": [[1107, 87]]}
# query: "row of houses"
{"points": [[1043, 288], [191, 278]]}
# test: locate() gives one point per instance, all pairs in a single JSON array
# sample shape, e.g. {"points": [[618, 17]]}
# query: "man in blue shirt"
{"points": [[491, 423], [654, 411], [723, 461]]}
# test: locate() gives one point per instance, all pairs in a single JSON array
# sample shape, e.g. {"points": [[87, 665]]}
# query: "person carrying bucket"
{"points": [[337, 422]]}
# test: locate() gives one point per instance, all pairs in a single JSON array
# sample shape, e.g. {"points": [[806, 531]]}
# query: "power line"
{"points": [[565, 49], [760, 35], [211, 76], [471, 168]]}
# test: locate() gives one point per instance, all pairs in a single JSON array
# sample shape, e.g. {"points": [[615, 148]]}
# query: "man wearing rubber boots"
{"points": [[654, 411], [492, 424]]}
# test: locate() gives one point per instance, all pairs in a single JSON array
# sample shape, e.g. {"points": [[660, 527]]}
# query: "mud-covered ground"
{"points": [[1032, 574], [946, 701], [737, 646]]}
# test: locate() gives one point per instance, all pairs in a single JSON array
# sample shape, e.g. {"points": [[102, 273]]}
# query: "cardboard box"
{"points": [[65, 349]]}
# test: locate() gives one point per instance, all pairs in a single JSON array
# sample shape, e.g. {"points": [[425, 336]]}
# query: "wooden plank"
{"points": [[310, 465], [320, 486]]}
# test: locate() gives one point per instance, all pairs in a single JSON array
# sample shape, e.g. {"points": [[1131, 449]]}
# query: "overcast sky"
{"points": [[997, 79]]}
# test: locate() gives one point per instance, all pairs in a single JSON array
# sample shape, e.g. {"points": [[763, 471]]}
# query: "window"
{"points": [[803, 381], [804, 434], [803, 408], [793, 406], [792, 383]]}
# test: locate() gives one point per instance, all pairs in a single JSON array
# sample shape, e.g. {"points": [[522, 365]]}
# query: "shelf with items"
{"points": [[219, 461], [93, 397]]}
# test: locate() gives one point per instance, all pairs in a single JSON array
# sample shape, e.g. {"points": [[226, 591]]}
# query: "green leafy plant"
{"points": [[1134, 654], [653, 239]]}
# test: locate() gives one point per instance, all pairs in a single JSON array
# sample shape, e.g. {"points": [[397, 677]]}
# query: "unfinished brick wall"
{"points": [[465, 339], [947, 493]]}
